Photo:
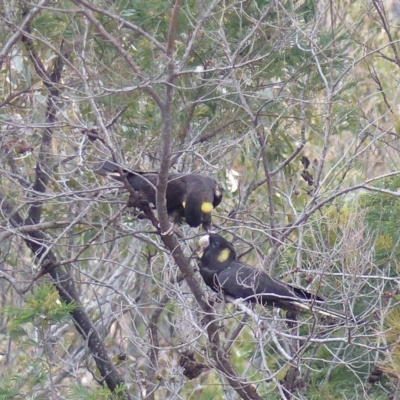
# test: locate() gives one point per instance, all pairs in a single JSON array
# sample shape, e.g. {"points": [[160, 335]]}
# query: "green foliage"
{"points": [[78, 392], [54, 26], [31, 376], [42, 309], [382, 212], [391, 363]]}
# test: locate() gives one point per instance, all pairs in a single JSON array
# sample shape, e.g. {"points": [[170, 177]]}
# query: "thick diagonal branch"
{"points": [[65, 286]]}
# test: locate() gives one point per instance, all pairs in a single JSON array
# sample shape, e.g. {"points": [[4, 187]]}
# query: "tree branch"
{"points": [[18, 34], [65, 286]]}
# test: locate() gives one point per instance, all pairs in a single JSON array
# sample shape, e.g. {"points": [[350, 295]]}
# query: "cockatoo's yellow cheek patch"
{"points": [[223, 255], [206, 207]]}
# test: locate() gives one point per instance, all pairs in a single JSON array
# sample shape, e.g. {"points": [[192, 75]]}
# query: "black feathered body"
{"points": [[190, 197], [223, 273], [200, 190], [242, 281]]}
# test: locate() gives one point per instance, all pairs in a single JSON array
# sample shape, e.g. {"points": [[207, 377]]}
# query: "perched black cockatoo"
{"points": [[223, 273], [190, 197]]}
